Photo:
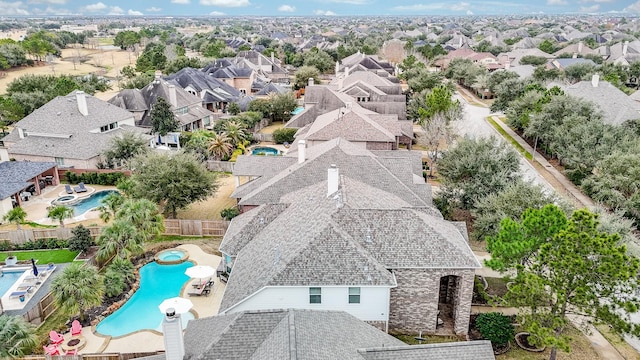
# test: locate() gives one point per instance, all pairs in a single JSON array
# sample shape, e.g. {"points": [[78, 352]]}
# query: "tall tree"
{"points": [[172, 181], [162, 119], [16, 216], [60, 213], [220, 146], [439, 103], [303, 74], [120, 238], [110, 205], [123, 148], [78, 288], [581, 271], [17, 337], [143, 215]]}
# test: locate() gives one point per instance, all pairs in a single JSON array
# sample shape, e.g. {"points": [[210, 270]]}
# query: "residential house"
{"points": [[616, 106], [621, 53], [240, 78], [19, 178], [513, 57], [347, 229], [362, 62], [300, 335], [215, 94], [485, 59], [373, 92], [70, 131], [563, 63], [186, 107], [577, 49]]}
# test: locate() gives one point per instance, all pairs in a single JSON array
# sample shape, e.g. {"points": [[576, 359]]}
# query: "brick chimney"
{"points": [[173, 340], [82, 103], [173, 96], [302, 148], [595, 79], [333, 180]]}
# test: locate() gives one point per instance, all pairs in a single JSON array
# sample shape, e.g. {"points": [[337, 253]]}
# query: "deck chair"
{"points": [[68, 189], [80, 188], [55, 337], [71, 352], [76, 328], [24, 293], [198, 292], [51, 349]]}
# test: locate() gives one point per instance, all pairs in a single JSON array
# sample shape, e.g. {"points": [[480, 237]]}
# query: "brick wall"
{"points": [[380, 325], [414, 302]]}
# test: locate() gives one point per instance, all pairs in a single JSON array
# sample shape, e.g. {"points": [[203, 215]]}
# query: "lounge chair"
{"points": [[23, 293], [24, 286], [76, 328], [68, 189], [51, 349], [199, 291], [71, 352], [42, 272], [55, 337], [80, 188]]}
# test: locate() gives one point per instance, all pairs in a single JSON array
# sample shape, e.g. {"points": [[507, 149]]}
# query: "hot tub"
{"points": [[172, 256]]}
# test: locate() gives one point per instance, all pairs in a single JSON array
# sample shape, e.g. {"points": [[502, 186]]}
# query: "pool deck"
{"points": [[25, 281], [36, 207], [147, 341]]}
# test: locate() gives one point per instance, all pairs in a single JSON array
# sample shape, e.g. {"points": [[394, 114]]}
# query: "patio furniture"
{"points": [[21, 293], [80, 188], [71, 352], [68, 189], [76, 328], [51, 349], [48, 180], [55, 337], [199, 292], [24, 286]]}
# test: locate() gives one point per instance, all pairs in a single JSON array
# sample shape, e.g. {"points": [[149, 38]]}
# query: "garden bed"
{"points": [[492, 295]]}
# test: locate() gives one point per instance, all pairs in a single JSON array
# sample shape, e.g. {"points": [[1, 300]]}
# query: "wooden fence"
{"points": [[172, 227], [223, 166], [39, 313], [263, 137]]}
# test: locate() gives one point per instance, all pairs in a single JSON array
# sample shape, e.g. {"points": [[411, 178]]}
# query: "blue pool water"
{"points": [[7, 280], [140, 312], [265, 150], [297, 111], [93, 201]]}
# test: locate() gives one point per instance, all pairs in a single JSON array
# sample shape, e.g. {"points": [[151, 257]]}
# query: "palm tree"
{"points": [[121, 238], [144, 215], [220, 146], [17, 337], [78, 289], [110, 205], [60, 212], [199, 141], [236, 132], [16, 215]]}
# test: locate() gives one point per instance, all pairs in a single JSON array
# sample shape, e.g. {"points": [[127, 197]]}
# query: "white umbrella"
{"points": [[200, 272], [179, 304]]}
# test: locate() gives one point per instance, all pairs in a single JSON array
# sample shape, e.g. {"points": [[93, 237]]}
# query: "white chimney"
{"points": [[21, 133], [595, 79], [302, 146], [311, 81], [346, 71], [260, 62], [625, 48], [82, 103], [580, 45], [507, 65], [158, 75], [173, 341], [173, 97], [575, 55], [333, 180], [273, 58], [337, 67]]}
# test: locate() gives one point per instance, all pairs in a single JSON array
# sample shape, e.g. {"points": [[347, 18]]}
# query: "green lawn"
{"points": [[56, 256], [508, 137]]}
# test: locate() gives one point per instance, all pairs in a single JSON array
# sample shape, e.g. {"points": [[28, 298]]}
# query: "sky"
{"points": [[313, 7]]}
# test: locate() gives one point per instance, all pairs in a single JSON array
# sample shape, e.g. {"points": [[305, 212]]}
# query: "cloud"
{"points": [[180, 1], [225, 3], [324, 13], [596, 1], [53, 11], [116, 10], [469, 12], [590, 9], [287, 8], [153, 9], [58, 2], [95, 7], [556, 2], [134, 12], [217, 13], [633, 8], [352, 2], [461, 6]]}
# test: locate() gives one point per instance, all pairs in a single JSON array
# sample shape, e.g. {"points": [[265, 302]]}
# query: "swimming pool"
{"points": [[92, 201], [140, 312], [297, 111], [8, 278], [265, 150]]}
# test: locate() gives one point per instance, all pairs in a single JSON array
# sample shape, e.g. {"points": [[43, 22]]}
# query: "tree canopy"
{"points": [[162, 119]]}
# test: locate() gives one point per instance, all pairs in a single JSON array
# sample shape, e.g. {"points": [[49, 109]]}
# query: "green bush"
{"points": [[114, 283], [124, 267], [94, 178], [81, 239], [283, 135], [52, 243], [229, 213], [495, 327], [235, 154], [5, 245]]}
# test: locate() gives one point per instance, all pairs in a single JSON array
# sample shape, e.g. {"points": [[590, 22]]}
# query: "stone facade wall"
{"points": [[414, 302], [380, 325], [378, 145]]}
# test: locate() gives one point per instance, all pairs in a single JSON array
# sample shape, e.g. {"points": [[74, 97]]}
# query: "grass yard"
{"points": [[429, 339], [580, 346], [56, 256], [508, 137], [626, 350], [210, 208], [271, 128]]}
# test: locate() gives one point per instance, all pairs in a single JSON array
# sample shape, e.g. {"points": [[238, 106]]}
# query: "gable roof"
{"points": [[342, 122], [14, 175], [201, 82], [467, 350]]}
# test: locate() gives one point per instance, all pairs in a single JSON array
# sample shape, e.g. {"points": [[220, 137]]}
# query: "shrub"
{"points": [[495, 327], [283, 135], [94, 178], [81, 239], [5, 245], [124, 267], [229, 213], [235, 154], [52, 243], [113, 283], [233, 109]]}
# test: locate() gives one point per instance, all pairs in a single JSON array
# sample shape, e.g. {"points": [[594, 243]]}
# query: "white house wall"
{"points": [[5, 206], [374, 301]]}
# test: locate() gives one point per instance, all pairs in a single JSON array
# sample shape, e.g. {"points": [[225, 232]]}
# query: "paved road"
{"points": [[475, 125]]}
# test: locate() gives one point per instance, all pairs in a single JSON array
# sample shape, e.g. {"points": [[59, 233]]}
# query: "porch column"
{"points": [[56, 177], [37, 185]]}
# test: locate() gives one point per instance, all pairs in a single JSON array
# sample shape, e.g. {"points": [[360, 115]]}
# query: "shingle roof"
{"points": [[282, 334], [342, 122], [15, 174], [216, 90], [470, 350]]}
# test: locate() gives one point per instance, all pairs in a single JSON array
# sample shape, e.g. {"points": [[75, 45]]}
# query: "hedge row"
{"points": [[94, 178], [39, 244]]}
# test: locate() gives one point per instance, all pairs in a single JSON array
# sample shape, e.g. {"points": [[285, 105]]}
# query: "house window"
{"points": [[60, 161], [315, 295], [104, 128], [354, 295], [183, 110]]}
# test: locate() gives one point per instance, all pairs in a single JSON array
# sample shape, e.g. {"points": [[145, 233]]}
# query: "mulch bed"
{"points": [[86, 255]]}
